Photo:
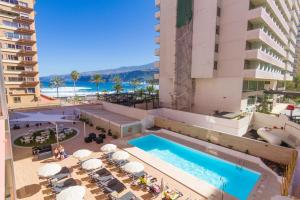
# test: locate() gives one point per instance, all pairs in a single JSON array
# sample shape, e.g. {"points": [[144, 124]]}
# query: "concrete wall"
{"points": [[134, 113], [222, 94], [205, 17], [256, 148], [2, 156], [232, 127]]}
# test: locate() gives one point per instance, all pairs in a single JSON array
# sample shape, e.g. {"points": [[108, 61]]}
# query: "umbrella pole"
{"points": [[84, 132], [57, 141]]}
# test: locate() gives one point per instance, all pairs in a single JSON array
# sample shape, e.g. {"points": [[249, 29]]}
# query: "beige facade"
{"points": [[239, 48], [7, 185], [19, 52]]}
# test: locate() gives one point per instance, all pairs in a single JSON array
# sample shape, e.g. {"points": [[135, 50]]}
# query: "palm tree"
{"points": [[75, 76], [118, 84], [56, 82], [135, 83], [97, 79], [150, 89]]}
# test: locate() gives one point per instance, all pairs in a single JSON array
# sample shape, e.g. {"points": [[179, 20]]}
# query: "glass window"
{"points": [[261, 85], [251, 100], [17, 99], [252, 85]]}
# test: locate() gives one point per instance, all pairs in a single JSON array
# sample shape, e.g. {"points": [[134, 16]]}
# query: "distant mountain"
{"points": [[128, 73]]}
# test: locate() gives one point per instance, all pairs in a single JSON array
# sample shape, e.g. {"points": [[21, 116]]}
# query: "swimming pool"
{"points": [[231, 178]]}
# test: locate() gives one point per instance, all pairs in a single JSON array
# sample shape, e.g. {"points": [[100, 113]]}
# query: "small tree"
{"points": [[56, 82], [118, 84], [97, 79], [75, 76], [135, 83]]}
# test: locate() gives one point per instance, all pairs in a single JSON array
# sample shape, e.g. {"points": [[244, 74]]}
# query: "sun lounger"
{"points": [[121, 163], [171, 194], [127, 196], [64, 173], [63, 185], [118, 187], [108, 182], [103, 178], [137, 175]]}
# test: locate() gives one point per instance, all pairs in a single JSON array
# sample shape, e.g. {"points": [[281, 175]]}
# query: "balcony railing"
{"points": [[23, 19]]}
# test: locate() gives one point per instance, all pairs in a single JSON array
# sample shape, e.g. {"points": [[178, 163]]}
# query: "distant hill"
{"points": [[128, 73]]}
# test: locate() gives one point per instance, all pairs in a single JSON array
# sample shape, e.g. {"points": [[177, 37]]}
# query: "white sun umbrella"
{"points": [[82, 153], [91, 164], [133, 167], [72, 193], [49, 169], [120, 155], [108, 148]]}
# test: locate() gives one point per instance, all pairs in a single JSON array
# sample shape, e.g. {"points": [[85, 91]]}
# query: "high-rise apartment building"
{"points": [[19, 52], [7, 186], [219, 55]]}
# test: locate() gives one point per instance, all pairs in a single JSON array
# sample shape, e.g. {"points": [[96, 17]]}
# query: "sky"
{"points": [[86, 35]]}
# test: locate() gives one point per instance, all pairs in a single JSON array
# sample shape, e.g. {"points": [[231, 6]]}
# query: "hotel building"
{"points": [[19, 53], [7, 186], [219, 55]]}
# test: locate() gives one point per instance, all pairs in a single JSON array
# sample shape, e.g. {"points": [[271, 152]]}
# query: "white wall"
{"points": [[205, 18], [222, 94], [232, 127]]}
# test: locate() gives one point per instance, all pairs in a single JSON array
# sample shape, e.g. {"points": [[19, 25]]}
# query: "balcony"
{"points": [[288, 77], [293, 38], [289, 67], [157, 40], [29, 82], [28, 62], [24, 31], [24, 52], [157, 52], [290, 58], [259, 34], [29, 73], [157, 27], [289, 4], [157, 15], [261, 74], [156, 64], [26, 41], [295, 16], [11, 61], [285, 9], [258, 54], [157, 3], [23, 8], [293, 27], [277, 13], [21, 19], [259, 15]]}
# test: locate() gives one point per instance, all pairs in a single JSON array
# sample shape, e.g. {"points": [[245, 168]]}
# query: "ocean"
{"points": [[83, 88]]}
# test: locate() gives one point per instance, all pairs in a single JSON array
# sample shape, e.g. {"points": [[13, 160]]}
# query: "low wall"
{"points": [[230, 126], [131, 112], [274, 153]]}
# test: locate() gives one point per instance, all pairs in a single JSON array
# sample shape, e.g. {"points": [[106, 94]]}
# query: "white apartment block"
{"points": [[219, 55]]}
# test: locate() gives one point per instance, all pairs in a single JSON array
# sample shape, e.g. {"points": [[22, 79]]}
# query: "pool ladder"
{"points": [[241, 164]]}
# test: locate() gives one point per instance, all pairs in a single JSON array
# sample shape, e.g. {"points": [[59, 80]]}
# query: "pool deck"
{"points": [[29, 186]]}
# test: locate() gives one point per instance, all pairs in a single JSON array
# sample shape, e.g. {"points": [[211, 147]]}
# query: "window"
{"points": [[217, 30], [216, 48], [17, 99], [10, 24], [252, 85], [30, 90], [251, 100], [12, 57], [218, 11], [21, 3], [27, 58], [261, 85], [215, 65]]}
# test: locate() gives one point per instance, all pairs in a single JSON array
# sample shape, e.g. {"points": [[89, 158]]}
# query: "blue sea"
{"points": [[83, 88]]}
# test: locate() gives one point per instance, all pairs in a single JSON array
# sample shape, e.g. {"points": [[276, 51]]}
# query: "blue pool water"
{"points": [[231, 178]]}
